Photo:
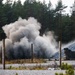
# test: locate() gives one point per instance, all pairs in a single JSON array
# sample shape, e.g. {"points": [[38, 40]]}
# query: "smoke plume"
{"points": [[21, 34]]}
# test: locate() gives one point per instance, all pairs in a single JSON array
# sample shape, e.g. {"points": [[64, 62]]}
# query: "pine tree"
{"points": [[73, 19]]}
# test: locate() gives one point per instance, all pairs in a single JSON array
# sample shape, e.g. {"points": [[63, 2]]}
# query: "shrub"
{"points": [[10, 67], [69, 69], [70, 72], [56, 73], [60, 73], [16, 73], [66, 66]]}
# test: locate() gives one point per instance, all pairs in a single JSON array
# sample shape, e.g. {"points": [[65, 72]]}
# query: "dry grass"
{"points": [[39, 68], [17, 68], [28, 68], [21, 61]]}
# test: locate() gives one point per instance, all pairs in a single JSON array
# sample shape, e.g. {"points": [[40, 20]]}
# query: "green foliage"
{"points": [[16, 73], [60, 73], [56, 74], [59, 5], [10, 67], [45, 14], [70, 72], [69, 69], [66, 66]]}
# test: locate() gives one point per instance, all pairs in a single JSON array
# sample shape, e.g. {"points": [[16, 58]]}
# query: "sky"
{"points": [[68, 3]]}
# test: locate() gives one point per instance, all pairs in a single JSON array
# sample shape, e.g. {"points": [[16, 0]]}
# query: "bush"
{"points": [[70, 72], [60, 73], [69, 69], [56, 73], [16, 73], [66, 66], [10, 67]]}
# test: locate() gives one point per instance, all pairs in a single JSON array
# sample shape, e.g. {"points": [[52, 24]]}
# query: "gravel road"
{"points": [[30, 72]]}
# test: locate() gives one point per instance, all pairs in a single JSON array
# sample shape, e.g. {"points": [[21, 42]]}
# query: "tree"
{"points": [[49, 18], [59, 5], [73, 20], [2, 34], [1, 2], [17, 10], [44, 2], [37, 10], [30, 1], [49, 5], [58, 18], [8, 11], [2, 37], [2, 14]]}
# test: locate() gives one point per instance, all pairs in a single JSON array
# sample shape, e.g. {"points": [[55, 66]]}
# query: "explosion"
{"points": [[22, 33]]}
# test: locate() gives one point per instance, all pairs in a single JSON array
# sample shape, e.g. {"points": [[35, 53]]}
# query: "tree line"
{"points": [[51, 19]]}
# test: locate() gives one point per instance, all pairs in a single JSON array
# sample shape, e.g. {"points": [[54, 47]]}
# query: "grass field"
{"points": [[40, 67], [21, 61]]}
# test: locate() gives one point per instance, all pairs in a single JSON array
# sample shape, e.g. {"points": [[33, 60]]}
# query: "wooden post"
{"points": [[3, 54], [60, 37], [60, 61], [60, 32], [32, 55]]}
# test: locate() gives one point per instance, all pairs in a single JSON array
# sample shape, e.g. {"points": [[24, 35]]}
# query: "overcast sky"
{"points": [[68, 3]]}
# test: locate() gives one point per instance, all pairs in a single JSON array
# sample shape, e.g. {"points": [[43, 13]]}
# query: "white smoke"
{"points": [[22, 33]]}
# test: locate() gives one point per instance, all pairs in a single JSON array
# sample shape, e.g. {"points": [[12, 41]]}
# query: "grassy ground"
{"points": [[28, 68], [21, 61]]}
